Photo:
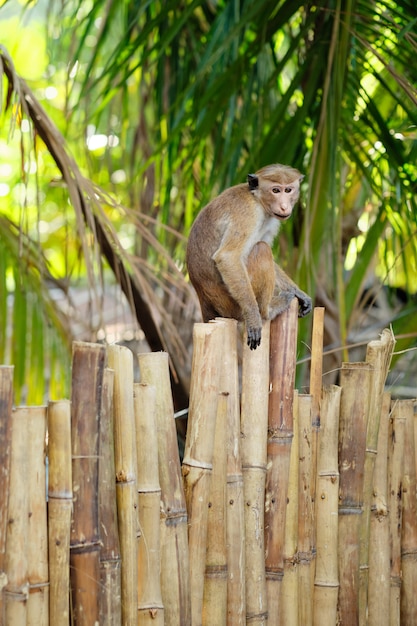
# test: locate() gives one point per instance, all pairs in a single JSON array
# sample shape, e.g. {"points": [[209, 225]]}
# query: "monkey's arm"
{"points": [[231, 264], [285, 290]]}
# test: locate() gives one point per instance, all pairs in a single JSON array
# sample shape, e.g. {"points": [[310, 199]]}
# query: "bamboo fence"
{"points": [[287, 509]]}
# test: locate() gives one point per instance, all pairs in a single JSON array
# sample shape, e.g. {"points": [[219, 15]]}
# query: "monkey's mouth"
{"points": [[282, 216]]}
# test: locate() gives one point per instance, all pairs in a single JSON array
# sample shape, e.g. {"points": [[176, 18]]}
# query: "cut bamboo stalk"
{"points": [[38, 575], [254, 429], [199, 447], [215, 584], [120, 359], [110, 558], [6, 395], [396, 444], [355, 380], [305, 511], [16, 590], [235, 520], [379, 542], [59, 510], [150, 607], [379, 355], [288, 606], [175, 582], [87, 365], [409, 522], [326, 584], [316, 383], [280, 433]]}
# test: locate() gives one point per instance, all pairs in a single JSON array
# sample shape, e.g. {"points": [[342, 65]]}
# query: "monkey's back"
{"points": [[234, 205]]}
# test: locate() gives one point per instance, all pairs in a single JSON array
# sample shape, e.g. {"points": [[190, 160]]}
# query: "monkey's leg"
{"points": [[260, 266], [285, 291]]}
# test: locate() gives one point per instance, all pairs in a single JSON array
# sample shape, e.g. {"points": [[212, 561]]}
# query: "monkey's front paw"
{"points": [[254, 337], [304, 304]]}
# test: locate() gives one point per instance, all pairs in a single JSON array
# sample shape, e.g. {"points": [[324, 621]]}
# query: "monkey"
{"points": [[229, 256]]}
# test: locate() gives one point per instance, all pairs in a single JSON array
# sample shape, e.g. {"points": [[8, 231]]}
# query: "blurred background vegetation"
{"points": [[120, 119]]}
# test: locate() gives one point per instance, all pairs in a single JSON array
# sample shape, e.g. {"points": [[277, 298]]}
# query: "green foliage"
{"points": [[166, 103]]}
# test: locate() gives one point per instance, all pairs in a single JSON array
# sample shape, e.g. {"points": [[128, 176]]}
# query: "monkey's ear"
{"points": [[252, 181]]}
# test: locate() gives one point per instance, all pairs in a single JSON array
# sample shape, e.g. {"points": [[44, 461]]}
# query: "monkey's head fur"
{"points": [[277, 188]]}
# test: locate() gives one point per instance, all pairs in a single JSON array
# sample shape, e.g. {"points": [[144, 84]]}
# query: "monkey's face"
{"points": [[279, 199]]}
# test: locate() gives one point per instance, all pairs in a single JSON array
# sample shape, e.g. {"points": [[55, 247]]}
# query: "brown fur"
{"points": [[229, 257]]}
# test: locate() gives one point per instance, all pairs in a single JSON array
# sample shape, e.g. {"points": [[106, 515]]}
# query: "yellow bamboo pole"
{"points": [[215, 583], [326, 584], [175, 581], [379, 355], [396, 442], [59, 509], [6, 396], [16, 590], [379, 542], [355, 380], [120, 359], [235, 520], [409, 522], [150, 607], [87, 380], [305, 511], [283, 347], [254, 429], [289, 598], [110, 558], [198, 454], [38, 575]]}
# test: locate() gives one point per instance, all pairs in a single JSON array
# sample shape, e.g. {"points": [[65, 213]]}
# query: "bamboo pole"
{"points": [[283, 347], [87, 365], [316, 383], [199, 447], [215, 583], [6, 395], [59, 510], [378, 354], [16, 590], [409, 522], [305, 511], [150, 607], [326, 584], [38, 575], [396, 444], [289, 600], [110, 558], [355, 380], [254, 429], [235, 520], [175, 582], [120, 359], [379, 542]]}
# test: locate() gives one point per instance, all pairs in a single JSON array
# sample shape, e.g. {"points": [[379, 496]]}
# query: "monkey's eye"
{"points": [[288, 189], [276, 190]]}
